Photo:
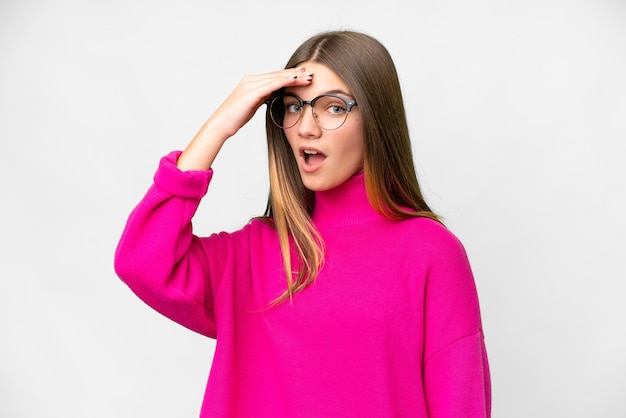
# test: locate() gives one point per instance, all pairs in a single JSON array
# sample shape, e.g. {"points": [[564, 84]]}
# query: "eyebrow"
{"points": [[338, 91]]}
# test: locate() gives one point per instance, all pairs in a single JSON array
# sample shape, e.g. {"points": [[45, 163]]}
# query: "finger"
{"points": [[287, 72], [281, 78], [262, 88]]}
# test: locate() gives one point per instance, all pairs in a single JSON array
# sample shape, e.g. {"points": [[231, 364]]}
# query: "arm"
{"points": [[234, 113], [456, 370], [158, 256]]}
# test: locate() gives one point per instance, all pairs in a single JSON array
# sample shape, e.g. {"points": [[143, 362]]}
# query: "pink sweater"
{"points": [[391, 327]]}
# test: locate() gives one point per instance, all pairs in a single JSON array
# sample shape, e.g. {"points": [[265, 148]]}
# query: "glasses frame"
{"points": [[301, 102]]}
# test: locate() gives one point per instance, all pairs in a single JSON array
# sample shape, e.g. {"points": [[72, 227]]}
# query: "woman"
{"points": [[348, 298]]}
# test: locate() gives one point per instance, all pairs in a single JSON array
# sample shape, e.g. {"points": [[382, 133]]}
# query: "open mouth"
{"points": [[312, 157]]}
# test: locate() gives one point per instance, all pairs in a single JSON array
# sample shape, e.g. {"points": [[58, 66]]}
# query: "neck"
{"points": [[346, 204]]}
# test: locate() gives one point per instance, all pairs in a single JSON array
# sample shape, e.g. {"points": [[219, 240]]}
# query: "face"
{"points": [[325, 158]]}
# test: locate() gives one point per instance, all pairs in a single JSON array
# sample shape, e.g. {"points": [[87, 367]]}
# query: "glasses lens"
{"points": [[286, 111], [330, 112]]}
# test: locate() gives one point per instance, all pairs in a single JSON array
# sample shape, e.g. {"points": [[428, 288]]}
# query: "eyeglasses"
{"points": [[329, 110]]}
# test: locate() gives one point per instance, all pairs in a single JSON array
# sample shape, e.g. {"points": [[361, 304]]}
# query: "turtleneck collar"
{"points": [[346, 204]]}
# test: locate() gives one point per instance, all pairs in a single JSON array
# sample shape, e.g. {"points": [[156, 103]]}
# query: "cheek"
{"points": [[357, 146]]}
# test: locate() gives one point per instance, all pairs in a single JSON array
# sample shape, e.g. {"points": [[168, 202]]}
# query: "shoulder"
{"points": [[433, 235], [261, 225], [255, 237], [435, 245], [256, 229]]}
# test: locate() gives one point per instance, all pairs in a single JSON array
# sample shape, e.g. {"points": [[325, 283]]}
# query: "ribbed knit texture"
{"points": [[391, 327]]}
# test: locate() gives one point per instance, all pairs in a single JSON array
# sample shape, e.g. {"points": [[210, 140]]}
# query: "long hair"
{"points": [[366, 67]]}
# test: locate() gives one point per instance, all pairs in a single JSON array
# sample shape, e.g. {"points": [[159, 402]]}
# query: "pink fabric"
{"points": [[391, 328]]}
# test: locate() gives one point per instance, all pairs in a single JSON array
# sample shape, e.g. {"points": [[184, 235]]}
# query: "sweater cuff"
{"points": [[189, 184]]}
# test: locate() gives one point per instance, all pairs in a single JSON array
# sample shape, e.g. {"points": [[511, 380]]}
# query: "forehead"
{"points": [[324, 80]]}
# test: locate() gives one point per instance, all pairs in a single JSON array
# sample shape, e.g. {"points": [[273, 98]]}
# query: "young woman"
{"points": [[348, 298]]}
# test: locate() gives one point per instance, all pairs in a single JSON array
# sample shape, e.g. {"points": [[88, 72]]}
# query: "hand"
{"points": [[241, 105], [235, 112]]}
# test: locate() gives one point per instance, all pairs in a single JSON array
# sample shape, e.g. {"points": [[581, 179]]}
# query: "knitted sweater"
{"points": [[391, 327]]}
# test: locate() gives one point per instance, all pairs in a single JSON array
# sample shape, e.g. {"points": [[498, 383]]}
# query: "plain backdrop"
{"points": [[517, 111]]}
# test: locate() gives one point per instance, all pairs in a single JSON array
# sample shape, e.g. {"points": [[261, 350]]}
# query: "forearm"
{"points": [[204, 147]]}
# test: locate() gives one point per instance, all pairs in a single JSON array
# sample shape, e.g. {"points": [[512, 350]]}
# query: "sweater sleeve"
{"points": [[456, 370], [158, 256]]}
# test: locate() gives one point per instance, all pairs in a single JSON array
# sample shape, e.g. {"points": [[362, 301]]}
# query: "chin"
{"points": [[317, 182], [321, 185], [316, 185]]}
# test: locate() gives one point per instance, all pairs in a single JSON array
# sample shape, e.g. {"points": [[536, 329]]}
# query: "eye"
{"points": [[331, 105], [336, 109], [292, 106]]}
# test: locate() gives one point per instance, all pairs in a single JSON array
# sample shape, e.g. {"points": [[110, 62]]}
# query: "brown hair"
{"points": [[366, 67]]}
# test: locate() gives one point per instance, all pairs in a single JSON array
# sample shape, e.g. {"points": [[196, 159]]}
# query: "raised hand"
{"points": [[235, 112]]}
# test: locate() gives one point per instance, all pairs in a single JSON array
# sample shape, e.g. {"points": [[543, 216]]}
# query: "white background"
{"points": [[517, 112]]}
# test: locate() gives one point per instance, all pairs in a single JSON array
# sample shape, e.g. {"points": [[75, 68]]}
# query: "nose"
{"points": [[308, 127]]}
